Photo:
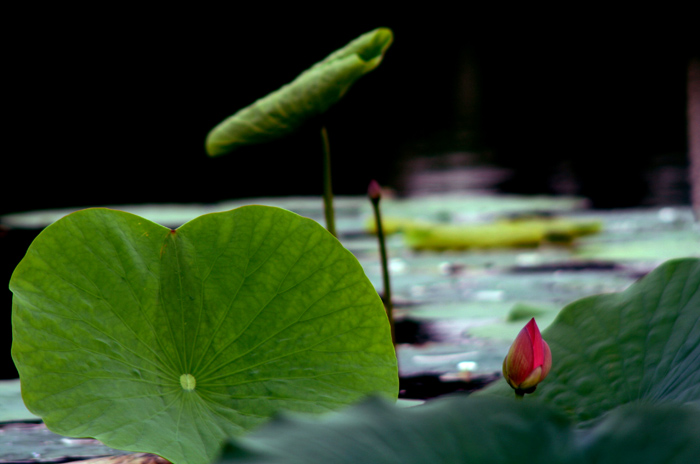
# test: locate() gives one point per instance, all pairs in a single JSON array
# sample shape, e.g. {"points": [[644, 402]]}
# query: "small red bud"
{"points": [[528, 361], [374, 190]]}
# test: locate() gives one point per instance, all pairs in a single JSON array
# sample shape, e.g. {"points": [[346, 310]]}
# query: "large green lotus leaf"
{"points": [[484, 430], [309, 95], [167, 341], [640, 345]]}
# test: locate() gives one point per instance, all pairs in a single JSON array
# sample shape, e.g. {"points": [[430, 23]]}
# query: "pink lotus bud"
{"points": [[528, 361], [374, 190]]}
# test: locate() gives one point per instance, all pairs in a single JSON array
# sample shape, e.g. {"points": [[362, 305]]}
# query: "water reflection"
{"points": [[662, 181]]}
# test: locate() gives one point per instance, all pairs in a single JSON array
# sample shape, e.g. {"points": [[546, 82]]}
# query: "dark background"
{"points": [[111, 106]]}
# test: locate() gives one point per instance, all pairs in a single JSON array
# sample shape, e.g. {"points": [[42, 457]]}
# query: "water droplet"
{"points": [[466, 366]]}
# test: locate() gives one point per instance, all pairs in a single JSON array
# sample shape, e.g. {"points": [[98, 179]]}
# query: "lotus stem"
{"points": [[519, 395], [375, 196], [327, 185]]}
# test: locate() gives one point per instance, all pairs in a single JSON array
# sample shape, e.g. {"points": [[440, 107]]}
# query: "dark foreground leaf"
{"points": [[485, 430]]}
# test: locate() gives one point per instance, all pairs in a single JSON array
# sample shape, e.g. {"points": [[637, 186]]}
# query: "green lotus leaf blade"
{"points": [[639, 345], [311, 94], [487, 430], [168, 341]]}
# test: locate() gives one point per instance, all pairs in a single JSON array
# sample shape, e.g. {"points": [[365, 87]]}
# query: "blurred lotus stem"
{"points": [[375, 194], [327, 185]]}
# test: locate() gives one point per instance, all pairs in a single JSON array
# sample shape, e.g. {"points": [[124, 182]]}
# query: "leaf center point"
{"points": [[188, 382]]}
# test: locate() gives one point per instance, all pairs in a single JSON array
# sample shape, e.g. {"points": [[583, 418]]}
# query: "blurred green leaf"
{"points": [[523, 312], [485, 430], [499, 234]]}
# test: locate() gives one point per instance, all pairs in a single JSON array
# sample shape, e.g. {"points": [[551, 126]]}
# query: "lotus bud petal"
{"points": [[528, 361], [374, 191]]}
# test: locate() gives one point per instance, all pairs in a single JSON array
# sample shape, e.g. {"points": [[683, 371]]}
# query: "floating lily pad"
{"points": [[657, 248], [460, 206], [523, 312], [500, 234], [484, 319], [167, 341], [508, 329], [12, 409], [26, 443], [637, 346]]}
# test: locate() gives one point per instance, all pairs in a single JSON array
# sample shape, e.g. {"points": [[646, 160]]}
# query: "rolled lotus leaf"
{"points": [[309, 95]]}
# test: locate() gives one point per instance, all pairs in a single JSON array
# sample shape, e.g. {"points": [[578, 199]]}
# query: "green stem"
{"points": [[519, 395], [327, 186], [385, 268]]}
